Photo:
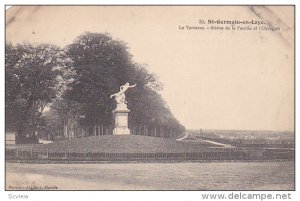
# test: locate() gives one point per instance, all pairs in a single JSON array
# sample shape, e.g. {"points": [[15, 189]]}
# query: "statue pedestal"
{"points": [[121, 120]]}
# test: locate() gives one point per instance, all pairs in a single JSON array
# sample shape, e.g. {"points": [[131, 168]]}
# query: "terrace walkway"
{"points": [[192, 137]]}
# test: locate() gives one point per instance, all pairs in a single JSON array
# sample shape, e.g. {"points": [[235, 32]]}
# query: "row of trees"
{"points": [[75, 83]]}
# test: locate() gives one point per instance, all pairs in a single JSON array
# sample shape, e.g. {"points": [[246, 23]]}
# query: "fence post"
{"points": [[65, 153], [47, 153]]}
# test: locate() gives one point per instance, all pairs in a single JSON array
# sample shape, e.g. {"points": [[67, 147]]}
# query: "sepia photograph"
{"points": [[150, 98]]}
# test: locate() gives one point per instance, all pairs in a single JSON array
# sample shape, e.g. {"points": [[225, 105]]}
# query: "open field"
{"points": [[153, 176], [245, 134]]}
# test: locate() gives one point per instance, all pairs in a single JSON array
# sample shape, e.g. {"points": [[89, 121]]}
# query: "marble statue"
{"points": [[121, 112], [120, 96]]}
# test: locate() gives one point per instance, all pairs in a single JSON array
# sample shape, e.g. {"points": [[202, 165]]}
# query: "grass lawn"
{"points": [[125, 143]]}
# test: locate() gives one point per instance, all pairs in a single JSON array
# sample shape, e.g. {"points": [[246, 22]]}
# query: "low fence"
{"points": [[208, 154]]}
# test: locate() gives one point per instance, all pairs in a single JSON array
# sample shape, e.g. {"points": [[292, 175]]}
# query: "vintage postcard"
{"points": [[150, 98]]}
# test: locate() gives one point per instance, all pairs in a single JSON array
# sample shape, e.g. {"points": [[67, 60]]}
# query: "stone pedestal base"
{"points": [[121, 131], [121, 120]]}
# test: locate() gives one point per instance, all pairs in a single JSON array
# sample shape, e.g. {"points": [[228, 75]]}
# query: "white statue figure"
{"points": [[120, 96]]}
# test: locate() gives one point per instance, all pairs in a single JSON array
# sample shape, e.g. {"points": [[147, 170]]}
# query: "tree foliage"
{"points": [[31, 83], [80, 78], [101, 65]]}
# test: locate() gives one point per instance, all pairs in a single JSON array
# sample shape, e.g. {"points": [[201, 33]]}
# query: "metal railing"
{"points": [[208, 154]]}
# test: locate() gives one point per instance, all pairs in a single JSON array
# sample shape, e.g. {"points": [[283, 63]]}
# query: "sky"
{"points": [[213, 79]]}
